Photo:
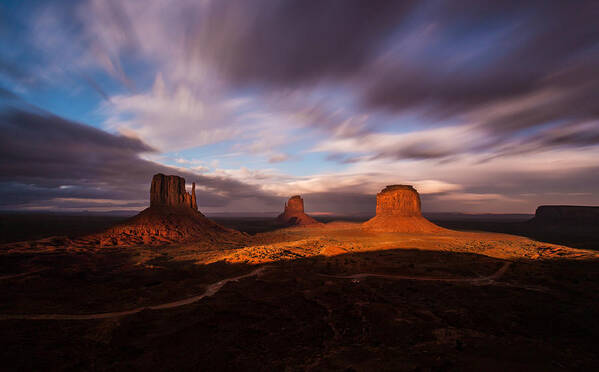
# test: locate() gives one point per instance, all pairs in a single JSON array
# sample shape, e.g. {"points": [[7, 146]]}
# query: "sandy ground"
{"points": [[327, 298], [343, 238]]}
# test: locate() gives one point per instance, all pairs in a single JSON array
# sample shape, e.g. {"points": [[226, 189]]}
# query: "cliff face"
{"points": [[294, 213], [398, 210], [169, 191]]}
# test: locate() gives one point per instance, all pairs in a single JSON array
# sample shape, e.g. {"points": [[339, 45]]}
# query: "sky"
{"points": [[484, 106]]}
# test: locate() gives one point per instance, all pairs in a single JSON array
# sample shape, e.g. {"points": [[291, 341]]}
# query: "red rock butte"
{"points": [[398, 209], [171, 217], [170, 191], [294, 213]]}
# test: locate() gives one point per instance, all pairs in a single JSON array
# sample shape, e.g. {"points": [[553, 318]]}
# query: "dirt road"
{"points": [[491, 277], [211, 290], [214, 288]]}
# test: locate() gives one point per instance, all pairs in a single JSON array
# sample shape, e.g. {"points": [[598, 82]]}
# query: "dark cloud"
{"points": [[11, 70], [45, 157], [584, 137], [508, 65], [343, 202], [488, 56], [577, 180], [95, 86], [285, 42], [506, 191], [480, 51], [7, 94], [448, 59]]}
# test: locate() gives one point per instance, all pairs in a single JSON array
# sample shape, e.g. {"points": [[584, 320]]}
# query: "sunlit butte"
{"points": [[355, 185]]}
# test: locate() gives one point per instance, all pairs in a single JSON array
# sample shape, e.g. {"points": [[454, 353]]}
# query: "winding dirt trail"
{"points": [[496, 275], [214, 288], [13, 276], [211, 290]]}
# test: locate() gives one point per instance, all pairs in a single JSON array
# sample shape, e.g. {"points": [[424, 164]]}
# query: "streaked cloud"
{"points": [[50, 161], [480, 104]]}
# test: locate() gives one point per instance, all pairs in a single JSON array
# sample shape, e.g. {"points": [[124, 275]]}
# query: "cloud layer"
{"points": [[485, 105], [52, 162]]}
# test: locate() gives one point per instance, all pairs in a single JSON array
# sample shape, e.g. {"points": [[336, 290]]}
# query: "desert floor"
{"points": [[332, 298]]}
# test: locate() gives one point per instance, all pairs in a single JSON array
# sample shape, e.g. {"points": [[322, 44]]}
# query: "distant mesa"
{"points": [[173, 216], [566, 214], [294, 213], [398, 210]]}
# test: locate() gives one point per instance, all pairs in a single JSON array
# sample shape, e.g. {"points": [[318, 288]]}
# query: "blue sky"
{"points": [[482, 106]]}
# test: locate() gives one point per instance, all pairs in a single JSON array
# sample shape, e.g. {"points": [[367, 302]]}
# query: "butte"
{"points": [[294, 213], [398, 210], [173, 216], [566, 215]]}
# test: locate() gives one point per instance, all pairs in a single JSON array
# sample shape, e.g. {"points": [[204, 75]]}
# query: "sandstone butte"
{"points": [[170, 191], [173, 216], [294, 213], [398, 210], [566, 214]]}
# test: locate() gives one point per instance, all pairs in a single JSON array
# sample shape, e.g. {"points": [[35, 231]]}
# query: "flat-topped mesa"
{"points": [[398, 200], [170, 191], [567, 214], [398, 210], [294, 213]]}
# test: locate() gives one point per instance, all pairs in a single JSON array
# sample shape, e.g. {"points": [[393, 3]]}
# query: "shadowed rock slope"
{"points": [[398, 210], [171, 217]]}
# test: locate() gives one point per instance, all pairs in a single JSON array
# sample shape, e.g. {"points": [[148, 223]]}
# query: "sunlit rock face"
{"points": [[567, 214], [294, 213], [170, 191], [398, 209], [398, 200]]}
